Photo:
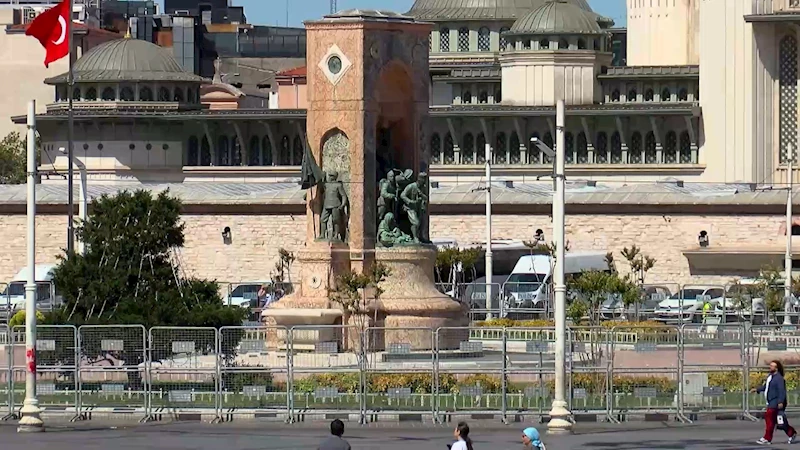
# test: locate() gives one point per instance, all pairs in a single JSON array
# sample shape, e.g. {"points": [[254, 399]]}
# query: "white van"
{"points": [[12, 297], [527, 286]]}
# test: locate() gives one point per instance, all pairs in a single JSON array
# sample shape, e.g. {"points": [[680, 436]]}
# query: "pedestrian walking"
{"points": [[461, 433], [774, 389], [531, 439], [335, 441]]}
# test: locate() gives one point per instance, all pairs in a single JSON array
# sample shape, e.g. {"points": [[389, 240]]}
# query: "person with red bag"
{"points": [[774, 389]]}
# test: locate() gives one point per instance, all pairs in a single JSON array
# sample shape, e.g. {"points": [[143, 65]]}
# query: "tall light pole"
{"points": [[787, 261], [31, 420]]}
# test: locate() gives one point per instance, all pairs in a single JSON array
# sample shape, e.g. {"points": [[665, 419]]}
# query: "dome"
{"points": [[445, 10], [127, 60], [557, 17]]}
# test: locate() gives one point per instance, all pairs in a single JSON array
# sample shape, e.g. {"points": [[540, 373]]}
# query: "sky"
{"points": [[273, 12]]}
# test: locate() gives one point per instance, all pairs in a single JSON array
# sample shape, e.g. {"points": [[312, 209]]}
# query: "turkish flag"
{"points": [[50, 28]]}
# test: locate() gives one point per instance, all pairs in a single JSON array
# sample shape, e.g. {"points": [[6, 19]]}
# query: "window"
{"points": [[283, 158], [581, 44], [534, 155], [563, 44], [91, 94], [205, 152], [480, 149], [616, 148], [466, 97], [498, 95], [436, 149], [583, 149], [266, 147], [648, 95], [178, 97], [569, 148], [145, 94], [683, 95], [686, 148], [163, 94], [223, 151], [192, 152], [236, 153], [650, 148], [254, 152], [513, 149], [484, 40], [548, 141], [635, 154], [463, 39], [444, 40], [601, 152], [666, 95], [468, 149], [297, 151], [483, 97], [109, 94], [632, 95], [503, 40], [615, 95], [190, 96], [596, 45], [671, 148], [126, 94], [76, 93], [788, 98], [544, 44], [500, 148], [449, 153]]}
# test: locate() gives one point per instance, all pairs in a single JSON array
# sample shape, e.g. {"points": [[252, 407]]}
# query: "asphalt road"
{"points": [[268, 436]]}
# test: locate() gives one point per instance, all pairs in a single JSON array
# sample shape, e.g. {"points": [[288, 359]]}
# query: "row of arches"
{"points": [[483, 43], [126, 93], [649, 95], [608, 149], [229, 152]]}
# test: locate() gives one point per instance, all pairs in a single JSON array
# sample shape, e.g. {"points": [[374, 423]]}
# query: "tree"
{"points": [[13, 159], [593, 287], [358, 293], [639, 263], [130, 275]]}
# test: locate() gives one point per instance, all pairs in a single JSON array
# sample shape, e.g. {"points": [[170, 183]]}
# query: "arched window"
{"points": [[463, 39], [544, 44], [500, 148], [583, 149], [466, 97], [563, 44], [788, 98], [615, 95], [109, 94], [91, 94], [635, 153], [163, 94], [683, 95], [581, 44], [444, 40], [514, 156], [145, 94], [283, 158], [503, 40], [205, 152], [236, 152], [223, 151], [596, 45], [436, 149], [548, 141], [601, 152], [616, 148], [480, 149], [468, 149], [190, 95], [126, 94], [483, 97], [178, 97], [297, 151], [193, 152], [484, 40], [666, 95], [266, 147], [671, 148], [449, 149], [632, 96], [534, 155], [76, 94], [498, 94], [650, 148], [569, 148], [686, 148], [254, 152], [526, 44], [648, 95]]}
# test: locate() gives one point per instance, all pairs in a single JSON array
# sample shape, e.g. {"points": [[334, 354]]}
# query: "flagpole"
{"points": [[70, 149]]}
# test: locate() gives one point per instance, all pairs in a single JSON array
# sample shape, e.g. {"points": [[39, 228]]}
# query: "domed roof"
{"points": [[557, 17], [127, 60], [445, 10]]}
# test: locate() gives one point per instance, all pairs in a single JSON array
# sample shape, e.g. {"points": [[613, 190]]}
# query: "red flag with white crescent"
{"points": [[50, 28]]}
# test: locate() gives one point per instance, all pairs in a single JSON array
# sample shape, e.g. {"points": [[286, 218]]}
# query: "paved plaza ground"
{"points": [[733, 435]]}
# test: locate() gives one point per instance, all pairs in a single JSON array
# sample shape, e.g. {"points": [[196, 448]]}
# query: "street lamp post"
{"points": [[787, 282], [31, 420], [560, 416]]}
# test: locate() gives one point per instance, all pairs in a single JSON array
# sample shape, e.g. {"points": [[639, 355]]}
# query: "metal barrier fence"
{"points": [[311, 372]]}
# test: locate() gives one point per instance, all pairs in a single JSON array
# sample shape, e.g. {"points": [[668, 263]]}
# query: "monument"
{"points": [[365, 175]]}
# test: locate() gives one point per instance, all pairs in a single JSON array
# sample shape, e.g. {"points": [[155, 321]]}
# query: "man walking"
{"points": [[335, 441], [774, 390]]}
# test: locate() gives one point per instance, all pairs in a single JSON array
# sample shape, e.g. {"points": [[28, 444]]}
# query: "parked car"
{"points": [[12, 298], [686, 305], [651, 296]]}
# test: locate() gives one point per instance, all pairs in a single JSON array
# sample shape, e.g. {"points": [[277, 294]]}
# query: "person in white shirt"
{"points": [[461, 433]]}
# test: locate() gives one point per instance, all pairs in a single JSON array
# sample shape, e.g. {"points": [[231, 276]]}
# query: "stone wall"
{"points": [[253, 250]]}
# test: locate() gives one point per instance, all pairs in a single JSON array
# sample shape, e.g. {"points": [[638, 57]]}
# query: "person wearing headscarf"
{"points": [[531, 439]]}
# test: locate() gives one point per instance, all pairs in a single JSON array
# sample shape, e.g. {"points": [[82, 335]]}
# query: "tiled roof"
{"points": [[296, 72]]}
